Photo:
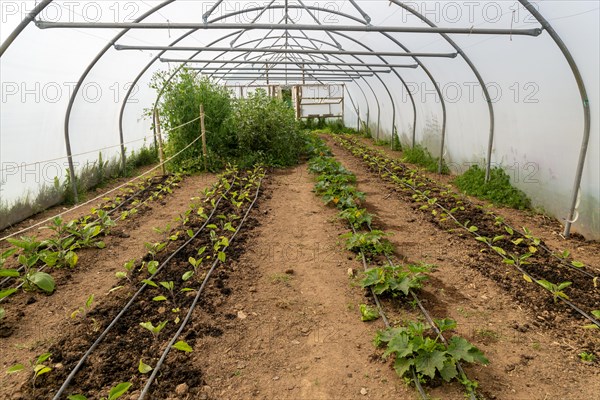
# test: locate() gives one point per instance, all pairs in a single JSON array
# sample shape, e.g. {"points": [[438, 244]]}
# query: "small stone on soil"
{"points": [[289, 271], [241, 315], [181, 389], [364, 391]]}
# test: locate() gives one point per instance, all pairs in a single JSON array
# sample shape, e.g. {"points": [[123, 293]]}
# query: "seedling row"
{"points": [[27, 265], [140, 339], [571, 284], [421, 352]]}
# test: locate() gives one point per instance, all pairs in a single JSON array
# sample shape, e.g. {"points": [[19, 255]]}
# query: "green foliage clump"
{"points": [[420, 155], [417, 346], [395, 279], [146, 155], [498, 189], [181, 101], [256, 129], [266, 131]]}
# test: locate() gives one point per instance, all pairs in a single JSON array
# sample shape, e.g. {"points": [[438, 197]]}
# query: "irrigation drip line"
{"points": [[472, 394], [19, 166], [193, 305], [100, 338], [530, 276], [416, 380], [104, 194], [497, 217], [569, 303], [20, 269]]}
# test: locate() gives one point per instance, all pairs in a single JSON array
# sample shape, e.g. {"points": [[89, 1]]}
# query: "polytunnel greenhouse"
{"points": [[292, 199]]}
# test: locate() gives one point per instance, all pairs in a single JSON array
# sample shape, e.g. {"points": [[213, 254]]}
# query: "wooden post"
{"points": [[343, 89], [158, 138], [298, 101], [203, 134]]}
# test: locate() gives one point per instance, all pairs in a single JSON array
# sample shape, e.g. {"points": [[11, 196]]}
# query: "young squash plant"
{"points": [[371, 243], [357, 217], [417, 346], [396, 280]]}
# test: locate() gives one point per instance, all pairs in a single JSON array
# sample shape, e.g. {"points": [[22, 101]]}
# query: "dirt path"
{"points": [[527, 362], [296, 331], [41, 318]]}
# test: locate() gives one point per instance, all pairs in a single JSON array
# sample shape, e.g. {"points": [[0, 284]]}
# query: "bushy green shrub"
{"points": [[420, 155], [498, 189], [256, 129], [266, 131], [180, 104]]}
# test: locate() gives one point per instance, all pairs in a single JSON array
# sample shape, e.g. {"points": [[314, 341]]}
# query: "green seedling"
{"points": [[371, 243], [183, 346], [2, 313], [170, 287], [563, 254], [368, 313], [155, 330], [152, 267], [517, 260], [85, 309], [587, 357], [162, 231], [155, 248], [33, 279], [128, 268], [144, 368], [357, 217], [37, 366], [87, 235], [556, 290]]}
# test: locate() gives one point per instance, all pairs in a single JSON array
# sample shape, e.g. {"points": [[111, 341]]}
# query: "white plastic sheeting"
{"points": [[536, 102]]}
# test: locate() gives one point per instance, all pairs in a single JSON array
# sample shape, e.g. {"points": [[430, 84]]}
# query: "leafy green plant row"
{"points": [[235, 188], [257, 129], [34, 256], [415, 347], [411, 179], [232, 187]]}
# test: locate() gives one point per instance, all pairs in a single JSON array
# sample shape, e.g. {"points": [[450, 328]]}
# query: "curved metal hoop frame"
{"points": [[365, 21]]}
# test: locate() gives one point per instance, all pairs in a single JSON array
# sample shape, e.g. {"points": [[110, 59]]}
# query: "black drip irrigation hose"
{"points": [[568, 302], [100, 338], [525, 273], [193, 305], [468, 201], [20, 269], [416, 380], [472, 393]]}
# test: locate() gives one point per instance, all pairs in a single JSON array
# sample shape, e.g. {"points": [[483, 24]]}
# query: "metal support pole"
{"points": [[296, 27], [585, 105], [23, 24], [122, 47], [158, 137], [304, 61]]}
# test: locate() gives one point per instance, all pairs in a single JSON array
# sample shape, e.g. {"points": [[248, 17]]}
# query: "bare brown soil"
{"points": [[281, 319], [35, 321]]}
